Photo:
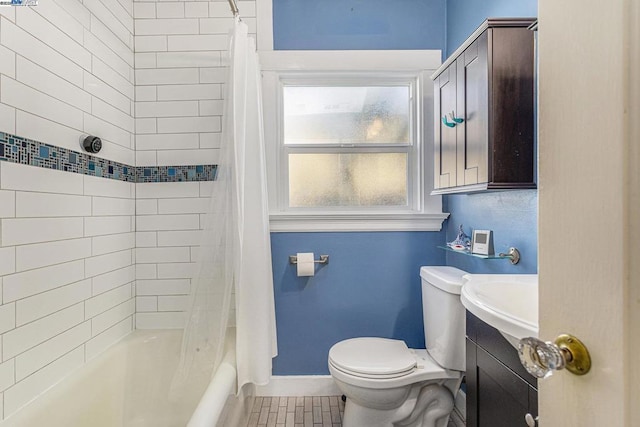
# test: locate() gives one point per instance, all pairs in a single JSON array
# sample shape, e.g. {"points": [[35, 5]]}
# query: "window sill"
{"points": [[282, 223]]}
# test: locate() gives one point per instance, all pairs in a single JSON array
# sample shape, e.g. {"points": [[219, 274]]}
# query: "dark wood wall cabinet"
{"points": [[500, 392], [484, 98]]}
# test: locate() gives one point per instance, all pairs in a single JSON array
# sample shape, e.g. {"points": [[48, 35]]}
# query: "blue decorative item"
{"points": [[454, 118], [446, 123], [462, 242]]}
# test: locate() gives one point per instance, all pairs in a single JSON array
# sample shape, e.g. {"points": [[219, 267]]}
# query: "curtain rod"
{"points": [[234, 7]]}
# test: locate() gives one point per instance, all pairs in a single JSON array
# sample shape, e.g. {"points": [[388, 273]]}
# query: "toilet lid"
{"points": [[373, 356]]}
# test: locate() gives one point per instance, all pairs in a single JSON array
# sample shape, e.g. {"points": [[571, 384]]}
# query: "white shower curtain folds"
{"points": [[256, 342], [235, 252]]}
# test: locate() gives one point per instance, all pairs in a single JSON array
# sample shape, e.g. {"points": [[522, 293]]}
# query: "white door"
{"points": [[589, 212]]}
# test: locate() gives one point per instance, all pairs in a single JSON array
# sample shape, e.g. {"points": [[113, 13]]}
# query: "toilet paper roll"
{"points": [[305, 264]]}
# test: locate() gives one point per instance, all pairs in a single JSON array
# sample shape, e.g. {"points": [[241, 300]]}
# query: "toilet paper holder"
{"points": [[324, 259]]}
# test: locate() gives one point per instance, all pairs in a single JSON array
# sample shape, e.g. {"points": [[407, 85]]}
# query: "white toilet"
{"points": [[388, 384]]}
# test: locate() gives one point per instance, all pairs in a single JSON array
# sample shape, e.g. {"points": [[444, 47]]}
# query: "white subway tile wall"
{"points": [[84, 260], [67, 69], [180, 58], [168, 225], [67, 271]]}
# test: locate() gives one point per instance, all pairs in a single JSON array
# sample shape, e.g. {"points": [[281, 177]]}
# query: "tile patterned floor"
{"points": [[298, 411]]}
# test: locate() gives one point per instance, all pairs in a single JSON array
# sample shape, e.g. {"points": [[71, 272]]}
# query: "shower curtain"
{"points": [[235, 251]]}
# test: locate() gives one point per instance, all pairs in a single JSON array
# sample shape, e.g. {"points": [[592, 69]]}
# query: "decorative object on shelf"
{"points": [[461, 242], [482, 243]]}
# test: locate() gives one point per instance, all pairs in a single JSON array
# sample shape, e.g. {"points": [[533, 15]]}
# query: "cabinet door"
{"points": [[472, 384], [502, 396], [473, 106], [445, 136]]}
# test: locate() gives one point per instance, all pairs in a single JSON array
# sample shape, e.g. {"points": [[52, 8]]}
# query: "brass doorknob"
{"points": [[541, 358]]}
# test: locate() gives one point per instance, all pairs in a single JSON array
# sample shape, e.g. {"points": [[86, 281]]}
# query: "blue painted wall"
{"points": [[359, 24], [371, 287], [372, 284], [513, 218], [464, 16]]}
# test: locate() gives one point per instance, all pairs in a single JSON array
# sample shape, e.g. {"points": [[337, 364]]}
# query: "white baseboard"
{"points": [[299, 385]]}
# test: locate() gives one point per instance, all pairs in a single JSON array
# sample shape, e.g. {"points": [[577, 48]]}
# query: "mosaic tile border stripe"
{"points": [[176, 173], [25, 151]]}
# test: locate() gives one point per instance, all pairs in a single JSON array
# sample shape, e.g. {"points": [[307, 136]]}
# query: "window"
{"points": [[346, 149], [346, 144]]}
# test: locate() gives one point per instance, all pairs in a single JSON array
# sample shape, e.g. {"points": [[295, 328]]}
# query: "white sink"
{"points": [[508, 302]]}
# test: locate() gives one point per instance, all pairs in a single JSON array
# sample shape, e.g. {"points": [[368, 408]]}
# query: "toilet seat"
{"points": [[373, 357], [380, 363]]}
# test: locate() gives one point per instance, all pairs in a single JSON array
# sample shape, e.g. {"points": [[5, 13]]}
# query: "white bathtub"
{"points": [[128, 386]]}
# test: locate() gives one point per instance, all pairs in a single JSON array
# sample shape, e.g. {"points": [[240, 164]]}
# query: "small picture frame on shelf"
{"points": [[482, 242]]}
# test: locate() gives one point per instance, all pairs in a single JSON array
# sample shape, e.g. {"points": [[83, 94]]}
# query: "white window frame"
{"points": [[424, 212]]}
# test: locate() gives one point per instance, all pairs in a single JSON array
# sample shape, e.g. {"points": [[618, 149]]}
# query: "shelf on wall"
{"points": [[513, 255]]}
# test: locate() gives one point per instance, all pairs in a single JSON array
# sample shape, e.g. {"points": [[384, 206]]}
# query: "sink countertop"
{"points": [[508, 302]]}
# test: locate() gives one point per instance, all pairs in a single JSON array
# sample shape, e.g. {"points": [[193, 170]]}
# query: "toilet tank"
{"points": [[444, 316]]}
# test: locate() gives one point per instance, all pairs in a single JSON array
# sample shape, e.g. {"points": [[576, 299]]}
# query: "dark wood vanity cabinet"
{"points": [[499, 391], [484, 111]]}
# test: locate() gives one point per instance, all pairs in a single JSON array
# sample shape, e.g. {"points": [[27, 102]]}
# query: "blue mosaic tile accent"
{"points": [[176, 173], [25, 151]]}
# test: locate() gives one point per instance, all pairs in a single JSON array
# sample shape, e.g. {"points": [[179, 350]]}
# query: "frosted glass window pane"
{"points": [[332, 179], [346, 115]]}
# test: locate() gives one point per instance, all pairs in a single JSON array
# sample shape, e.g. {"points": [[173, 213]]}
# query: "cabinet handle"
{"points": [[454, 118], [446, 123], [531, 422]]}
